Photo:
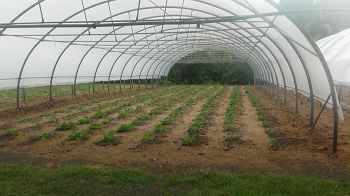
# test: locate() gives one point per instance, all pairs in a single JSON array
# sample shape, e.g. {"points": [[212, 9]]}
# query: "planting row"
{"points": [[199, 125], [100, 118], [165, 125], [162, 104], [231, 130], [263, 117]]}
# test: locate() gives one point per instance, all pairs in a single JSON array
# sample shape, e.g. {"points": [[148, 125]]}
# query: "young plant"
{"points": [[44, 136], [138, 120], [107, 121], [85, 120], [70, 116], [78, 136], [39, 126], [84, 111], [11, 132], [124, 114], [98, 115], [95, 126], [111, 111], [125, 128], [66, 126], [109, 138], [274, 144], [190, 141], [159, 129], [148, 138]]}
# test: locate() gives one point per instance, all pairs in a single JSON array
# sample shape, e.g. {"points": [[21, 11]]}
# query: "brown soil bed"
{"points": [[302, 152]]}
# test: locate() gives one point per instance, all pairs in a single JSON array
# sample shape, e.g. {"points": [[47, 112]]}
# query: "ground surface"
{"points": [[301, 152]]}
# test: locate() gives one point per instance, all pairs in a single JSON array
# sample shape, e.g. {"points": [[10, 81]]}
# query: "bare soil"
{"points": [[302, 152]]}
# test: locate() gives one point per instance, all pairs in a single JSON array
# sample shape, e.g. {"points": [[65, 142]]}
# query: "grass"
{"points": [[78, 136], [75, 180], [125, 128], [66, 126]]}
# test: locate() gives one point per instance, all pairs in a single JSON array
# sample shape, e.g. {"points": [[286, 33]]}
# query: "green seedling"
{"points": [[98, 115], [148, 138], [39, 126], [125, 128], [66, 126], [109, 137], [190, 141], [85, 120], [95, 126], [11, 132], [78, 136], [159, 128], [138, 120]]}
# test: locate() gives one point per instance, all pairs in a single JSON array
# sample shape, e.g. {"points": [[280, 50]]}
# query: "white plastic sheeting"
{"points": [[276, 49], [336, 50]]}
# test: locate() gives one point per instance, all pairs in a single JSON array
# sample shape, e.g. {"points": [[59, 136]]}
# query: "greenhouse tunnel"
{"points": [[50, 43]]}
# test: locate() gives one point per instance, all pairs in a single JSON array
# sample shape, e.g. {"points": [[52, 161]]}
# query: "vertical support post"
{"points": [[24, 94]]}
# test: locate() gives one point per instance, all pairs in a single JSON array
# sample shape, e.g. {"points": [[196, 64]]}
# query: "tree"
{"points": [[238, 73], [324, 23]]}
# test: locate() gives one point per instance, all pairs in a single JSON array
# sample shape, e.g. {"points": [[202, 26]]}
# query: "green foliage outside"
{"points": [[234, 74], [320, 24]]}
